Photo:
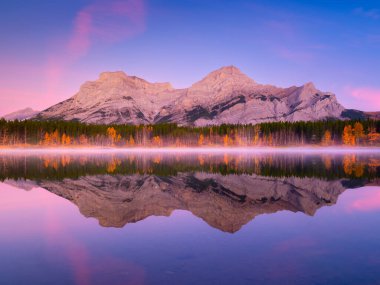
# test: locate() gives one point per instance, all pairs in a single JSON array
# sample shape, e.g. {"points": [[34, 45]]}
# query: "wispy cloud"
{"points": [[364, 96], [100, 23], [368, 13], [107, 22]]}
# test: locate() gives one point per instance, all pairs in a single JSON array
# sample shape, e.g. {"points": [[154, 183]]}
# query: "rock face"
{"points": [[224, 96], [23, 114], [224, 202]]}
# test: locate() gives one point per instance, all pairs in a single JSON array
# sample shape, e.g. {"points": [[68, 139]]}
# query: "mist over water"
{"points": [[158, 216]]}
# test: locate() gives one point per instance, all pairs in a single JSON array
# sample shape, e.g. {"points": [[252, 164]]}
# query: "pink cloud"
{"points": [[106, 21], [80, 40], [100, 23], [364, 97]]}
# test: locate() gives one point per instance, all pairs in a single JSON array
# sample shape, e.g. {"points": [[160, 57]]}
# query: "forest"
{"points": [[69, 133]]}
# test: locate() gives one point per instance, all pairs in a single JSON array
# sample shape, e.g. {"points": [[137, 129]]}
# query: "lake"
{"points": [[190, 218]]}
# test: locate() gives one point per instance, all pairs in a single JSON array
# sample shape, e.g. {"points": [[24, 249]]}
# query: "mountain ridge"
{"points": [[224, 96], [22, 114]]}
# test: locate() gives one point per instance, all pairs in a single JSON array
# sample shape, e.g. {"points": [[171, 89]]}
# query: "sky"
{"points": [[48, 48]]}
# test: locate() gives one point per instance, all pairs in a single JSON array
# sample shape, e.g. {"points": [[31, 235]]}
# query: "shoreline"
{"points": [[204, 150]]}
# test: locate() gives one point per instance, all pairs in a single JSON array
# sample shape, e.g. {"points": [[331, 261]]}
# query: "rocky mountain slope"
{"points": [[23, 114], [224, 96]]}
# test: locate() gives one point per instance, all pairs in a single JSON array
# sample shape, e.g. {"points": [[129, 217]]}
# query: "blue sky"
{"points": [[49, 48]]}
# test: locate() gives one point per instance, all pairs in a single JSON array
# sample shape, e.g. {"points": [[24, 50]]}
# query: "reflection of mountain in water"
{"points": [[224, 202], [225, 191]]}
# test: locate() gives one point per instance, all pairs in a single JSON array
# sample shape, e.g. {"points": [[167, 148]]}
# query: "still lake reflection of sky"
{"points": [[46, 240]]}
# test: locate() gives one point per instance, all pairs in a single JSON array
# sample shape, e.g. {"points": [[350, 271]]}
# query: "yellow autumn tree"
{"points": [[238, 140], [157, 141], [270, 139], [55, 138], [112, 135], [373, 137], [47, 139], [256, 136], [358, 132], [327, 138], [65, 139], [83, 140], [348, 137], [226, 140], [68, 140], [201, 139], [131, 140]]}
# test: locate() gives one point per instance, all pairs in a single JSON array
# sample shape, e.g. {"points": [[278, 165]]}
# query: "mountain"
{"points": [[224, 96], [23, 114]]}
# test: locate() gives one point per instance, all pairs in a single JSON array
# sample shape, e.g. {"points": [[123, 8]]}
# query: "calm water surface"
{"points": [[190, 219]]}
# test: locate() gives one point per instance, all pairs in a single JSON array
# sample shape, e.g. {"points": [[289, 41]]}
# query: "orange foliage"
{"points": [[227, 141], [66, 140], [131, 141], [47, 139], [83, 140], [55, 137], [112, 134], [157, 141], [201, 139], [327, 138], [348, 136]]}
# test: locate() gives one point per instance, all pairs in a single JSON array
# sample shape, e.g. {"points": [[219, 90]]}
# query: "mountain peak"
{"points": [[309, 88], [110, 75], [20, 114], [309, 85], [230, 70], [224, 76]]}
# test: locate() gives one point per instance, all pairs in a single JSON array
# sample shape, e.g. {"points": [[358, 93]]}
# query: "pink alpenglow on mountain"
{"points": [[225, 96], [23, 114]]}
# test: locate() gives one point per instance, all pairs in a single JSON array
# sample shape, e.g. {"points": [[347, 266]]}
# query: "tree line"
{"points": [[70, 133]]}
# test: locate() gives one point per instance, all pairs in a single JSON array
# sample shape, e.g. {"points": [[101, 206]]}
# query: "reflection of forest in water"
{"points": [[324, 166], [226, 191]]}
